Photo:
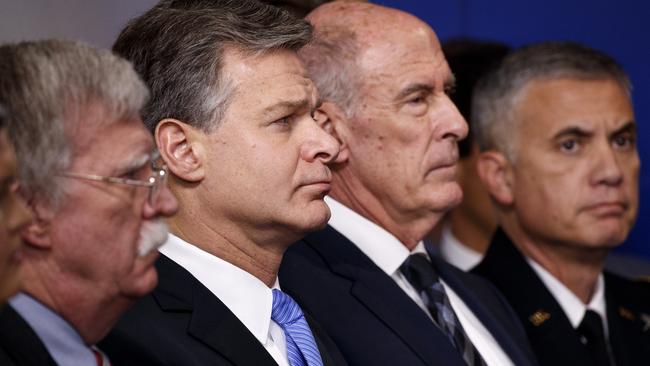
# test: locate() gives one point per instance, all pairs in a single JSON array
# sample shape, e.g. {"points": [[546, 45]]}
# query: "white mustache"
{"points": [[153, 234]]}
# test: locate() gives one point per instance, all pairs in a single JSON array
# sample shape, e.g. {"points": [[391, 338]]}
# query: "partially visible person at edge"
{"points": [[14, 216], [96, 192], [559, 158]]}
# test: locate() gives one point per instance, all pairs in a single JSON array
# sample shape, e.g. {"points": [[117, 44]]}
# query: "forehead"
{"points": [[107, 141], [403, 55], [265, 80], [550, 105]]}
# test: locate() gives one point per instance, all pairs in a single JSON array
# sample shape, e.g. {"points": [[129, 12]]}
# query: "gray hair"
{"points": [[330, 60], [178, 48], [496, 95], [47, 88]]}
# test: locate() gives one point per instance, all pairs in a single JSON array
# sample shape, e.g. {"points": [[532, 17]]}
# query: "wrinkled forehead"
{"points": [[404, 57], [259, 82]]}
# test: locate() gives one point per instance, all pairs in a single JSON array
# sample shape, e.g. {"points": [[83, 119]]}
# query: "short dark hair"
{"points": [[495, 94], [178, 48], [469, 60]]}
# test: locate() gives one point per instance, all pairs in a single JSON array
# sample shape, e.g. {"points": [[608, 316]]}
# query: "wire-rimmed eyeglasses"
{"points": [[155, 181]]}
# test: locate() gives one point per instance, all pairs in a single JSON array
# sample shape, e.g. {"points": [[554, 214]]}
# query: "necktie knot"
{"points": [[591, 326], [419, 271], [285, 310]]}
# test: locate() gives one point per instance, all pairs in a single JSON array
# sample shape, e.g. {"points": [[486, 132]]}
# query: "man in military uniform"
{"points": [[558, 137]]}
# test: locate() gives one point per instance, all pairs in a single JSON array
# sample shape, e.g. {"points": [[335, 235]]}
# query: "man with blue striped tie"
{"points": [[232, 114]]}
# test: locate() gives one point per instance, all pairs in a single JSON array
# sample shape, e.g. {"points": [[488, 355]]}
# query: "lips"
{"points": [[607, 208]]}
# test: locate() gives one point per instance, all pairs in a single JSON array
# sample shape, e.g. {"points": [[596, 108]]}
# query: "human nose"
{"points": [[162, 203], [320, 145], [607, 169], [453, 126]]}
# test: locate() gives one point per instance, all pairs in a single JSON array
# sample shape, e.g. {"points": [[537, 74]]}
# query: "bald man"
{"points": [[367, 277]]}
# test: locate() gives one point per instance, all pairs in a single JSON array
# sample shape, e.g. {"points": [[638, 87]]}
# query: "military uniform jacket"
{"points": [[552, 336]]}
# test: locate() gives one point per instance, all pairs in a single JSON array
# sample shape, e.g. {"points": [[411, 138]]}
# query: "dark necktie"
{"points": [[423, 277], [301, 345], [592, 335]]}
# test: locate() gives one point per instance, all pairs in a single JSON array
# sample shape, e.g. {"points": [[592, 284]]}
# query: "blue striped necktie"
{"points": [[301, 346]]}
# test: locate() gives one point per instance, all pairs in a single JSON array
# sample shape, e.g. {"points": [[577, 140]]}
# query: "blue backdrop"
{"points": [[618, 28]]}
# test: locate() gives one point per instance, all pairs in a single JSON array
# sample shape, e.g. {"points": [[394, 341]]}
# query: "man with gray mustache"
{"points": [[93, 181]]}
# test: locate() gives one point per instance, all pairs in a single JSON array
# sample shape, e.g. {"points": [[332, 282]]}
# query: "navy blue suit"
{"points": [[373, 321], [19, 344]]}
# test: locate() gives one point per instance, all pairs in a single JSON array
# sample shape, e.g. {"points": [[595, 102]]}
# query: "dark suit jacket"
{"points": [[553, 338], [19, 344], [370, 317], [182, 323]]}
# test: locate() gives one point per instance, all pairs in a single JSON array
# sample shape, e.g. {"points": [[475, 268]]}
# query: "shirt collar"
{"points": [[456, 253], [61, 340], [384, 249], [573, 307], [244, 294]]}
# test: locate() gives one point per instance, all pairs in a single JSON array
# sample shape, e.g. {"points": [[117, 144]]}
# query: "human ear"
{"points": [[495, 171], [180, 150], [332, 119], [37, 233]]}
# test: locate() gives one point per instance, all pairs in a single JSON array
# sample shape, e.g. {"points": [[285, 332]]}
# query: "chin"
{"points": [[140, 286], [313, 218], [445, 197]]}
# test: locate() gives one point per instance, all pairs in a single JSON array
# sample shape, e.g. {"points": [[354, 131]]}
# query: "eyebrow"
{"points": [[415, 88], [573, 131], [630, 127], [137, 162], [287, 104], [580, 132]]}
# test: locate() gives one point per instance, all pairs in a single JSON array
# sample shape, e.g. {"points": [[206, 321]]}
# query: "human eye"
{"points": [[624, 141], [283, 123], [569, 145], [417, 99], [450, 90]]}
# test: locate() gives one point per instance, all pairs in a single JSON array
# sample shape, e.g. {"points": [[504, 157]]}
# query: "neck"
{"points": [[260, 255], [408, 228], [577, 268], [90, 314]]}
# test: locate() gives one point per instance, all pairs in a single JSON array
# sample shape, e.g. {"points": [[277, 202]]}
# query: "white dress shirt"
{"points": [[61, 340], [388, 253], [244, 294], [455, 252], [573, 307]]}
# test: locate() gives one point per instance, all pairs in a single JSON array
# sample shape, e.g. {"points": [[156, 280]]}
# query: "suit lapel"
{"points": [[382, 296], [212, 323], [477, 297], [20, 341], [548, 328]]}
